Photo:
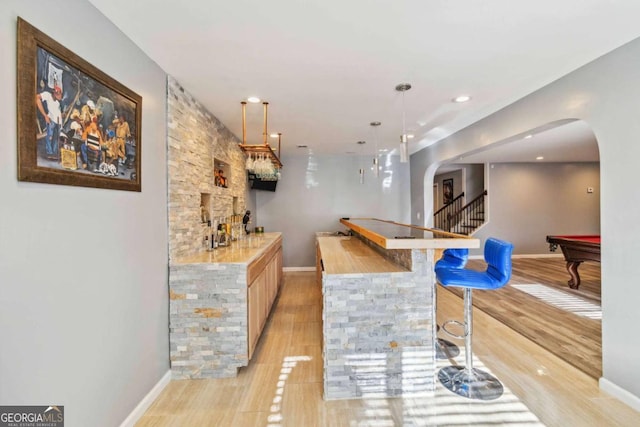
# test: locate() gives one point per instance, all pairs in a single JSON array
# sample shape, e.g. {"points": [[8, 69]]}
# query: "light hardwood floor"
{"points": [[283, 384], [574, 338]]}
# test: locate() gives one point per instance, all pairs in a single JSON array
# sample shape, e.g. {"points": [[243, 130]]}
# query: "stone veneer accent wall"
{"points": [[195, 138], [379, 330]]}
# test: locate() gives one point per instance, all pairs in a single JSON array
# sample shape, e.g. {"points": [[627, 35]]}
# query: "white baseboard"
{"points": [[538, 256], [144, 404], [289, 269], [619, 393]]}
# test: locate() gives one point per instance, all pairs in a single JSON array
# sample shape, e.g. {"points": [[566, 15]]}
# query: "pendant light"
{"points": [[404, 146], [376, 166], [361, 171]]}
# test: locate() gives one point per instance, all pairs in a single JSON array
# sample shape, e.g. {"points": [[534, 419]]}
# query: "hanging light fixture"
{"points": [[376, 166], [404, 146], [361, 171]]}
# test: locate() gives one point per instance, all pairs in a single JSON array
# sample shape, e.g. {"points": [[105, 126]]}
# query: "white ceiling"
{"points": [[328, 68], [572, 141]]}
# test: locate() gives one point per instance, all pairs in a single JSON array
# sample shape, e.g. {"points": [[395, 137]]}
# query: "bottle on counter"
{"points": [[246, 220], [207, 243], [222, 235]]}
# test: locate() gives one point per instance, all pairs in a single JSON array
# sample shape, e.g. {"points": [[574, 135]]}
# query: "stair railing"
{"points": [[471, 216], [441, 219]]}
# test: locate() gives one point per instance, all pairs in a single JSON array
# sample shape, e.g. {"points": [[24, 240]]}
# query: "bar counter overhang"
{"points": [[379, 325]]}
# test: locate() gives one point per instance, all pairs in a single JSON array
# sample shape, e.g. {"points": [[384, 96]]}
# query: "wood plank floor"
{"points": [[283, 384], [573, 338]]}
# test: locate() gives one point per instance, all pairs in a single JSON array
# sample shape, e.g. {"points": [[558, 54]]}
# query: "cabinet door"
{"points": [[272, 281], [263, 298], [260, 297], [318, 266], [253, 301], [279, 268]]}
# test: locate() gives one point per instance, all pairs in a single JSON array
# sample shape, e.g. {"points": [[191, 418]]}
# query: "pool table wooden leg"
{"points": [[572, 268]]}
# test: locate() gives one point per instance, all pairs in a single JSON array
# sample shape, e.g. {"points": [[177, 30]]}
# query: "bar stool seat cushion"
{"points": [[497, 254], [453, 258], [462, 278]]}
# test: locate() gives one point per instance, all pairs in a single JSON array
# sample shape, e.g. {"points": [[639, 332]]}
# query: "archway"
{"points": [[532, 199]]}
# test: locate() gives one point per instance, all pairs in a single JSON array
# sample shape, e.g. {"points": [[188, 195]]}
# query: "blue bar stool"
{"points": [[451, 258], [467, 381]]}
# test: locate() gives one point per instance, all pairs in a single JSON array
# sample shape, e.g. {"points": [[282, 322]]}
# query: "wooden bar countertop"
{"points": [[243, 251], [393, 235], [349, 255]]}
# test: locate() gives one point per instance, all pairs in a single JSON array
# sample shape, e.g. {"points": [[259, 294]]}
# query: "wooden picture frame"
{"points": [[447, 191], [76, 125]]}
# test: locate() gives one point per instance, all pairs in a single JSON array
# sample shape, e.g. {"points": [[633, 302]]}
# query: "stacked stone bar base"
{"points": [[379, 331], [208, 320]]}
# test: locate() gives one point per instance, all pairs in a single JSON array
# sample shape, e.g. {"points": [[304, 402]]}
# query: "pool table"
{"points": [[576, 249]]}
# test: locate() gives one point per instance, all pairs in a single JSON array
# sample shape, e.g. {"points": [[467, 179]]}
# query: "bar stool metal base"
{"points": [[446, 349], [476, 384]]}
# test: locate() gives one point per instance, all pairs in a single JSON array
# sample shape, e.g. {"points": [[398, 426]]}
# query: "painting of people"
{"points": [[83, 120], [447, 191], [83, 127]]}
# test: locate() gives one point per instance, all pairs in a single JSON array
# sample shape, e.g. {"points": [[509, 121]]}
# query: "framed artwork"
{"points": [[76, 125], [447, 191]]}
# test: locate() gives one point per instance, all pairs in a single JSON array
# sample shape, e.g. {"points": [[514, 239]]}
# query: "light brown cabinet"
{"points": [[265, 279]]}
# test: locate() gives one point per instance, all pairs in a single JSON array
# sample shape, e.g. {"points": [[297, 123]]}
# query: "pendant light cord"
{"points": [[403, 118]]}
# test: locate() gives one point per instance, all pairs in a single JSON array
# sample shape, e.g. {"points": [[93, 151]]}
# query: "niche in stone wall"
{"points": [[221, 173], [205, 207]]}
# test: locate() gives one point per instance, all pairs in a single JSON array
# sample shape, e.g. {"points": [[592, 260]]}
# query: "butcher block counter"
{"points": [[349, 255], [378, 307], [219, 303]]}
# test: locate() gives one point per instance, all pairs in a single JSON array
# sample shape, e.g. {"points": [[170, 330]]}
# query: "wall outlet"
{"points": [[589, 190]]}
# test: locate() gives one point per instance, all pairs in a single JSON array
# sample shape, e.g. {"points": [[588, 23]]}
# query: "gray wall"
{"points": [[316, 191], [475, 180], [606, 95], [83, 272], [547, 198]]}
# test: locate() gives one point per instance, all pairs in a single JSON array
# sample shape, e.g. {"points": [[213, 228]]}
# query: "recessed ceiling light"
{"points": [[528, 136], [361, 142], [253, 99], [383, 150], [274, 135], [539, 158], [410, 136], [462, 98]]}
